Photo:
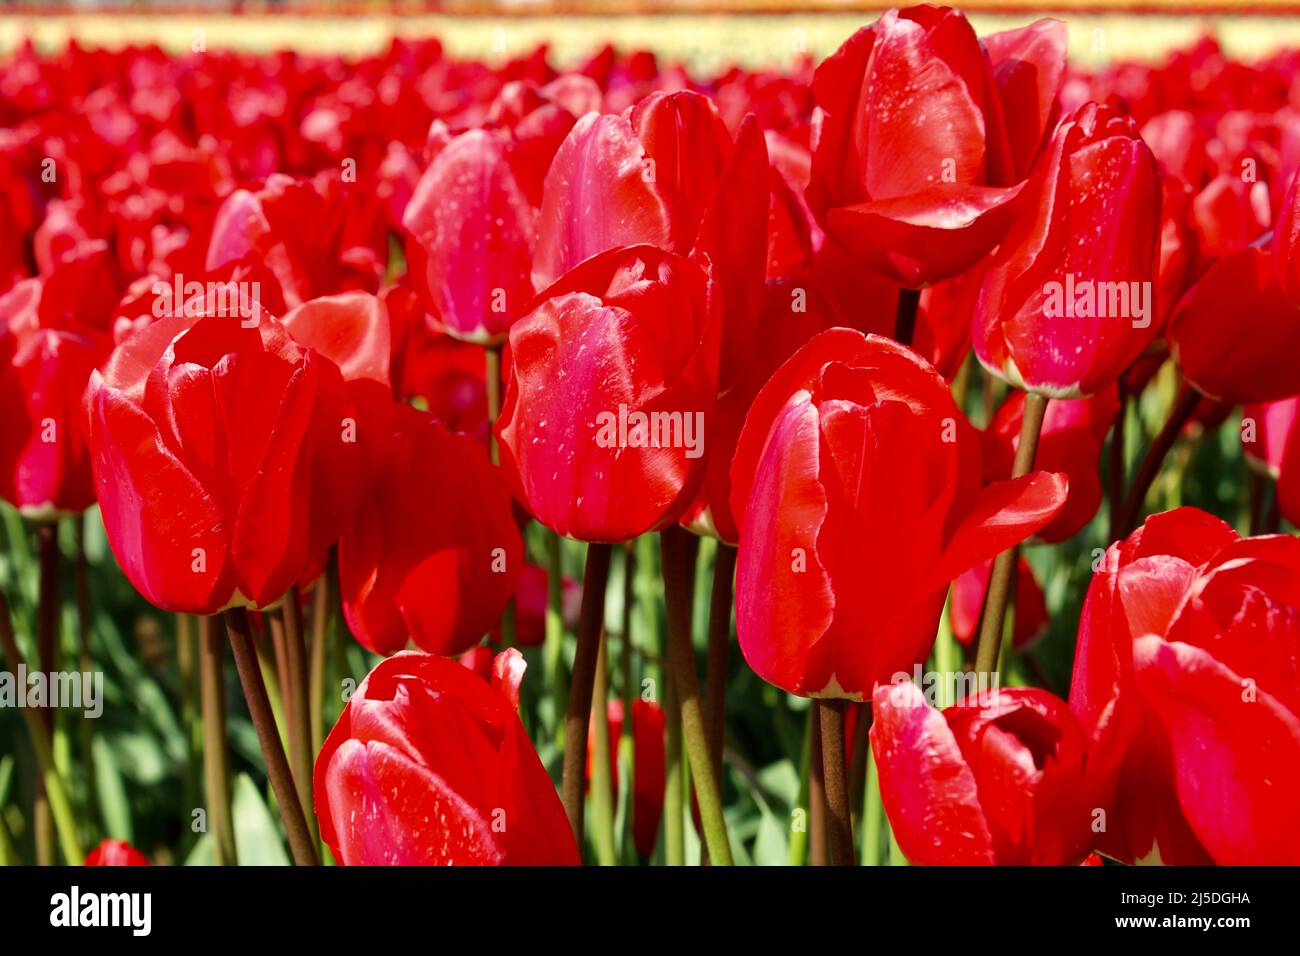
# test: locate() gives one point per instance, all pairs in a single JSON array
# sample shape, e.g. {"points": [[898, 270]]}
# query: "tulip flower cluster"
{"points": [[428, 390]]}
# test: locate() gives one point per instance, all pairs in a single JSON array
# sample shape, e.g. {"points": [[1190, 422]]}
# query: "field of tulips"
{"points": [[411, 459]]}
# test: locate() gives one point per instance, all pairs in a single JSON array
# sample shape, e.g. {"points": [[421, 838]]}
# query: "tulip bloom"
{"points": [[611, 389], [1273, 448], [925, 135], [1185, 680], [44, 463], [1068, 299], [429, 765], [1229, 329], [997, 780], [1286, 242], [857, 483], [116, 853], [434, 553], [225, 459], [471, 236]]}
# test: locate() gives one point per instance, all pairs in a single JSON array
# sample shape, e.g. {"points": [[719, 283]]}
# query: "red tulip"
{"points": [[1273, 447], [434, 553], [1230, 328], [647, 774], [1067, 301], [995, 781], [857, 483], [925, 136], [225, 459], [116, 853], [1071, 442], [1185, 680], [472, 231], [44, 463], [611, 388], [429, 765], [967, 604]]}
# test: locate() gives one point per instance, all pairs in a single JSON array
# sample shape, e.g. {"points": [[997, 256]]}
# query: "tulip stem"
{"points": [[1118, 469], [909, 303], [817, 850], [324, 602], [873, 815], [681, 658], [81, 592], [47, 644], [995, 608], [553, 651], [59, 806], [216, 754], [830, 714], [602, 776], [1183, 407], [577, 717], [297, 711], [715, 668], [492, 378], [301, 844]]}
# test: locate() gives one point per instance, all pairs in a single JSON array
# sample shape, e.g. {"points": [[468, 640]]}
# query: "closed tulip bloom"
{"points": [[612, 384], [1068, 300], [429, 765], [857, 484], [996, 780], [1229, 329], [220, 449], [1185, 679], [471, 234], [116, 853], [1272, 447], [924, 136], [434, 553]]}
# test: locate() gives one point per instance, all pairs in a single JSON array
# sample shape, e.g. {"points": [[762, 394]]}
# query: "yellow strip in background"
{"points": [[705, 42]]}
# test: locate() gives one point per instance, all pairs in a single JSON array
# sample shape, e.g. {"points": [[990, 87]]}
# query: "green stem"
{"points": [[840, 826], [47, 624], [553, 651], [715, 668], [56, 792], [296, 705], [324, 602], [602, 788], [578, 714], [873, 816], [799, 835], [301, 844], [216, 753], [681, 657], [995, 607]]}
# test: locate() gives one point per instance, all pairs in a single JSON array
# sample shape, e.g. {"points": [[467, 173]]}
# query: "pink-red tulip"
{"points": [[857, 484], [610, 395], [998, 779], [429, 765], [1185, 679], [1271, 443], [1068, 299]]}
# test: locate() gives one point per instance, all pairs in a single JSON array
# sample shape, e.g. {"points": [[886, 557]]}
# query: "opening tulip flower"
{"points": [[1185, 679], [924, 136], [222, 452], [429, 765], [999, 779], [858, 483]]}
